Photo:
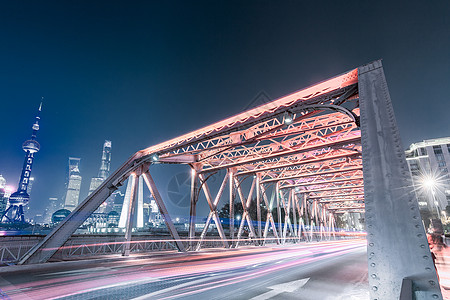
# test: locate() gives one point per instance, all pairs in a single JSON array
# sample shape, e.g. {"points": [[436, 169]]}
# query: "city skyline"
{"points": [[156, 71]]}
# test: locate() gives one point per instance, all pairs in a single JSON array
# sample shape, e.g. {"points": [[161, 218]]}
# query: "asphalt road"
{"points": [[325, 270]]}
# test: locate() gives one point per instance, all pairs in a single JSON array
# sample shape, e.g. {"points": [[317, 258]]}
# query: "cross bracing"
{"points": [[300, 160]]}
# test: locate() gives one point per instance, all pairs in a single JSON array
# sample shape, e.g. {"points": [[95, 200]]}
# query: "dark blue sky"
{"points": [[140, 72]]}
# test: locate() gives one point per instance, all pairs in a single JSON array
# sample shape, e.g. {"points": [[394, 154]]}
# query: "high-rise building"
{"points": [[106, 160], [51, 208], [19, 199], [428, 163], [117, 197], [155, 216], [3, 195], [103, 173], [95, 183], [73, 184]]}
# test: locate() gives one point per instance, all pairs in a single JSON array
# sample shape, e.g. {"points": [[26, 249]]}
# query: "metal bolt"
{"points": [[422, 246], [435, 296], [432, 282], [372, 264], [371, 244], [374, 276], [374, 288], [425, 257]]}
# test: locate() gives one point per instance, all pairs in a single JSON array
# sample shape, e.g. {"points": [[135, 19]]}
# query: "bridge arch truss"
{"points": [[325, 150]]}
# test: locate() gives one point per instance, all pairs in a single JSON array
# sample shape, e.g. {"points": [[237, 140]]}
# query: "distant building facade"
{"points": [[429, 163], [3, 195], [103, 173], [73, 184], [52, 207]]}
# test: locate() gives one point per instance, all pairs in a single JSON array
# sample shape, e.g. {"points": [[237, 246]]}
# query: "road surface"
{"points": [[324, 270]]}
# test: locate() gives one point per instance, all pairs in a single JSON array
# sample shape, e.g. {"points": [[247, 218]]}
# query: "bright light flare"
{"points": [[429, 182]]}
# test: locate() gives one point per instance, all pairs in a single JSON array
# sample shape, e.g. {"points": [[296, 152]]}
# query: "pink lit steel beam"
{"points": [[276, 149], [295, 150], [340, 170], [250, 116], [241, 146], [340, 200], [302, 161], [352, 193], [324, 182]]}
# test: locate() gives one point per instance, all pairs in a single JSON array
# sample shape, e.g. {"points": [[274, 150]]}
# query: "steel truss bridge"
{"points": [[325, 150]]}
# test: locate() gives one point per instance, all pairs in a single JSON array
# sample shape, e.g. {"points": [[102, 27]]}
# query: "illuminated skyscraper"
{"points": [[73, 184], [19, 199], [3, 196], [51, 208], [106, 160], [103, 173]]}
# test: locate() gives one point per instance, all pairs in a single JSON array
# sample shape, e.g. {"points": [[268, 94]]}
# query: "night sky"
{"points": [[141, 72]]}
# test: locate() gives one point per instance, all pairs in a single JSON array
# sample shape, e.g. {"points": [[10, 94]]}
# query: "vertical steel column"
{"points": [[277, 191], [258, 205], [301, 224], [130, 214], [397, 244], [140, 204], [294, 215], [125, 205], [232, 194], [192, 212]]}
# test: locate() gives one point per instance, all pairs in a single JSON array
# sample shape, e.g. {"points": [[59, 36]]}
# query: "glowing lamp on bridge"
{"points": [[288, 118], [155, 157]]}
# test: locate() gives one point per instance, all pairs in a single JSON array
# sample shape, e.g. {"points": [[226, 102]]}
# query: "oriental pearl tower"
{"points": [[17, 200]]}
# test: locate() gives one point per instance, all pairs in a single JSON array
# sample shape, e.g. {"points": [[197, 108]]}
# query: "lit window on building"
{"points": [[437, 149]]}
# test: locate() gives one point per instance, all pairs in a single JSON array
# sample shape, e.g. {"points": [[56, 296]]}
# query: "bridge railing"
{"points": [[13, 248]]}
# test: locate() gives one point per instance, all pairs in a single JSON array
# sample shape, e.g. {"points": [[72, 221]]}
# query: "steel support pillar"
{"points": [[130, 213], [126, 204], [294, 215], [258, 205], [140, 204], [277, 192], [193, 208], [232, 195], [397, 244]]}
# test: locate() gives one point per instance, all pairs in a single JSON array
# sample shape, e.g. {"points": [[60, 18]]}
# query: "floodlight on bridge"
{"points": [[341, 152]]}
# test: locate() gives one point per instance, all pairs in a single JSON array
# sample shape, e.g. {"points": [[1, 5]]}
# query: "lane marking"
{"points": [[287, 287]]}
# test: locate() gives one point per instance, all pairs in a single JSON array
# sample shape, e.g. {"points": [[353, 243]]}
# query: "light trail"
{"points": [[191, 273]]}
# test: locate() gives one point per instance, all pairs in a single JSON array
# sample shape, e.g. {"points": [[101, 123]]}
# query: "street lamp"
{"points": [[430, 183]]}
